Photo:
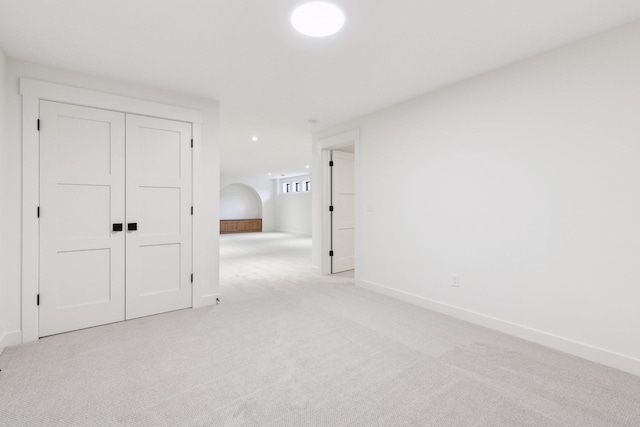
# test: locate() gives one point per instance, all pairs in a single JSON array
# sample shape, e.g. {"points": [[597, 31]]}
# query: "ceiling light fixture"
{"points": [[254, 138], [317, 19], [307, 166]]}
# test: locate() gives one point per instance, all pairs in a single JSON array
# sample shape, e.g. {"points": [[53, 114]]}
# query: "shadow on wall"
{"points": [[240, 201]]}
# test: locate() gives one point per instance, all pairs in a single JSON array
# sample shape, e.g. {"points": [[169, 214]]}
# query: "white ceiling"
{"points": [[271, 80]]}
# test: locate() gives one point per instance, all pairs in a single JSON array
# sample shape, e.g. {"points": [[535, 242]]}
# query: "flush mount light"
{"points": [[317, 19]]}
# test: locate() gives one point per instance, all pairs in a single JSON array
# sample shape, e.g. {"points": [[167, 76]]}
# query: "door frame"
{"points": [[32, 92], [324, 147]]}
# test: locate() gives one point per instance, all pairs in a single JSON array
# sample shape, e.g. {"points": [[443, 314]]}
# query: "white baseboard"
{"points": [[9, 339], [207, 300], [585, 351], [302, 233]]}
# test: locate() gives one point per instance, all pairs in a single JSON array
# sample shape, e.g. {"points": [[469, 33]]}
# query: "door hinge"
{"points": [[330, 208], [38, 124], [191, 142], [38, 211], [191, 210], [331, 164], [38, 299], [191, 278], [330, 253]]}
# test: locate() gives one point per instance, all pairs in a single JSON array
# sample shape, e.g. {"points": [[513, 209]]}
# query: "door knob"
{"points": [[117, 227], [132, 226]]}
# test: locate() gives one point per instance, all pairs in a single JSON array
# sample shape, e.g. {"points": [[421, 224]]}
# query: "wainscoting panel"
{"points": [[240, 225]]}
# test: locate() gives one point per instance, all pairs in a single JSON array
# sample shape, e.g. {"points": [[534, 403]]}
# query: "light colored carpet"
{"points": [[349, 274], [287, 347]]}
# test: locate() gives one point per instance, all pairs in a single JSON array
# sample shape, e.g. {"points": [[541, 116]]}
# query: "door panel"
{"points": [[160, 210], [96, 268], [343, 215], [162, 277], [159, 200], [81, 194]]}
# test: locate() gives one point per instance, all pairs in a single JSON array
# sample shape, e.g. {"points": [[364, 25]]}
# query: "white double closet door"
{"points": [[115, 217]]}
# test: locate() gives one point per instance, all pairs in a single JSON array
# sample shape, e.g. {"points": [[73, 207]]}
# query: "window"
{"points": [[296, 187]]}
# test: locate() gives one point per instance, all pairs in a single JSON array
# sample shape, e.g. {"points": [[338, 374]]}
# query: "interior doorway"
{"points": [[337, 222]]}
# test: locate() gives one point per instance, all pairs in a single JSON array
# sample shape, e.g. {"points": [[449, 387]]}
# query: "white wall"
{"points": [[239, 201], [206, 226], [293, 210], [265, 187], [525, 182], [4, 189]]}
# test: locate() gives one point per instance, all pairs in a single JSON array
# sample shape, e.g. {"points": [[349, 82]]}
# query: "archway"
{"points": [[240, 209]]}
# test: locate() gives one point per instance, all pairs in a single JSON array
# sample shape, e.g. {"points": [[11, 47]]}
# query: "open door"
{"points": [[342, 211]]}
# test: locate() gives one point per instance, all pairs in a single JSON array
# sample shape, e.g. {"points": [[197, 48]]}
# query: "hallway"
{"points": [[264, 265]]}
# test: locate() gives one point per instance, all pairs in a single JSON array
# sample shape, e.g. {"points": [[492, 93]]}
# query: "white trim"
{"points": [[324, 146], [32, 92], [30, 223], [343, 139], [325, 194], [9, 339], [198, 299], [566, 345], [90, 98], [208, 300]]}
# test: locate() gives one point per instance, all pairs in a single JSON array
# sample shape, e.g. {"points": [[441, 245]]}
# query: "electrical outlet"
{"points": [[455, 280]]}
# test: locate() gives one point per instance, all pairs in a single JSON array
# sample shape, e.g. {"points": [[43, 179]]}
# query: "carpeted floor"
{"points": [[287, 347]]}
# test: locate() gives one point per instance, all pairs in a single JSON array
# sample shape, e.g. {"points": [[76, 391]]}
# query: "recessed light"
{"points": [[254, 138], [269, 173], [317, 19], [307, 166]]}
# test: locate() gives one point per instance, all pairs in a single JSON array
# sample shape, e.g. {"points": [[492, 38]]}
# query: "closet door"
{"points": [[82, 167], [158, 188]]}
